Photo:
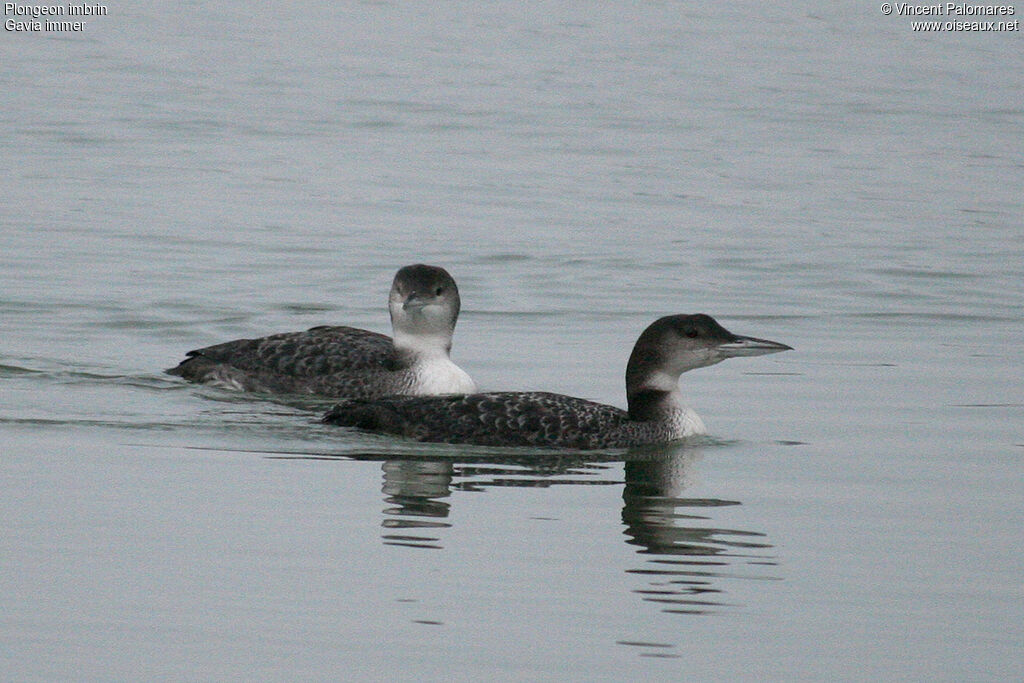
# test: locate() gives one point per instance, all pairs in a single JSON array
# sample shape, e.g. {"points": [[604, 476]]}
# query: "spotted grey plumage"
{"points": [[667, 348]]}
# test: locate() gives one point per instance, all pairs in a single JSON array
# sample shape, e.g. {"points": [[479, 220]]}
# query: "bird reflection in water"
{"points": [[414, 491], [688, 554], [688, 559]]}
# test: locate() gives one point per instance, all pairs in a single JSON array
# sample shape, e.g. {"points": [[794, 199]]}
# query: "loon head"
{"points": [[676, 343], [424, 305]]}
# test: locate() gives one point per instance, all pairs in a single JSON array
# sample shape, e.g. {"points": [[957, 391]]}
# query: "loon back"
{"points": [[283, 363], [516, 418], [319, 350]]}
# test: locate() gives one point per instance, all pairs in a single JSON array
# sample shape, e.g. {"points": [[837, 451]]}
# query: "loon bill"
{"points": [[667, 348], [346, 362]]}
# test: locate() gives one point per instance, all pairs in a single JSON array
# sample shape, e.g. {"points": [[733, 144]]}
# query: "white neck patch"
{"points": [[423, 345]]}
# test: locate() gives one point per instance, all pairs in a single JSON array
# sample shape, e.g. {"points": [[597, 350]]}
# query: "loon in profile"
{"points": [[667, 348], [345, 362]]}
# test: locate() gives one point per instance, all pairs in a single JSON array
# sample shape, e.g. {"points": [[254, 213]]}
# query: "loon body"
{"points": [[667, 348], [346, 362]]}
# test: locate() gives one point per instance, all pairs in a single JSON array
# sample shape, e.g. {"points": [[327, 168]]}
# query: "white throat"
{"points": [[662, 381]]}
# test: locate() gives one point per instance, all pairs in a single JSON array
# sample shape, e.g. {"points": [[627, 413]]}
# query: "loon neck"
{"points": [[654, 404], [412, 348], [652, 380]]}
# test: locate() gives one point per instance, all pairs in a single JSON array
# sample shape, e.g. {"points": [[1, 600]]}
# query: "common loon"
{"points": [[667, 348], [344, 362]]}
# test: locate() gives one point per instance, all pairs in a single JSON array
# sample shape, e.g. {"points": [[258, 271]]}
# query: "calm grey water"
{"points": [[177, 175]]}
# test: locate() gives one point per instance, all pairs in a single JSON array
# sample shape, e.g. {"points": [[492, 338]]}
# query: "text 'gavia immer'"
{"points": [[343, 362], [667, 348]]}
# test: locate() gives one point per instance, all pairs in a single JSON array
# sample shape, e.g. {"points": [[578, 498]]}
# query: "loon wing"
{"points": [[315, 352]]}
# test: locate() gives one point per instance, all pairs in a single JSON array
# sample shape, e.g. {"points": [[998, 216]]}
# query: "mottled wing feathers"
{"points": [[491, 419], [317, 352]]}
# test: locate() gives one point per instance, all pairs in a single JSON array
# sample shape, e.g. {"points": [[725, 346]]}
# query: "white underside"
{"points": [[441, 376]]}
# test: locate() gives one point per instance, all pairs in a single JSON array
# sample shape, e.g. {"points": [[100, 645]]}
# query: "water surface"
{"points": [[832, 180]]}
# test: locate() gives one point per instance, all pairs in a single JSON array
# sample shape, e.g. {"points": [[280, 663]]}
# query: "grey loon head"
{"points": [[676, 343], [424, 304]]}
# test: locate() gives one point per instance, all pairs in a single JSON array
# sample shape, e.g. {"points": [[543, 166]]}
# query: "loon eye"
{"points": [[438, 291], [692, 333]]}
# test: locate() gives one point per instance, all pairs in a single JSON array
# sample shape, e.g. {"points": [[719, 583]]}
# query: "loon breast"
{"points": [[440, 376]]}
